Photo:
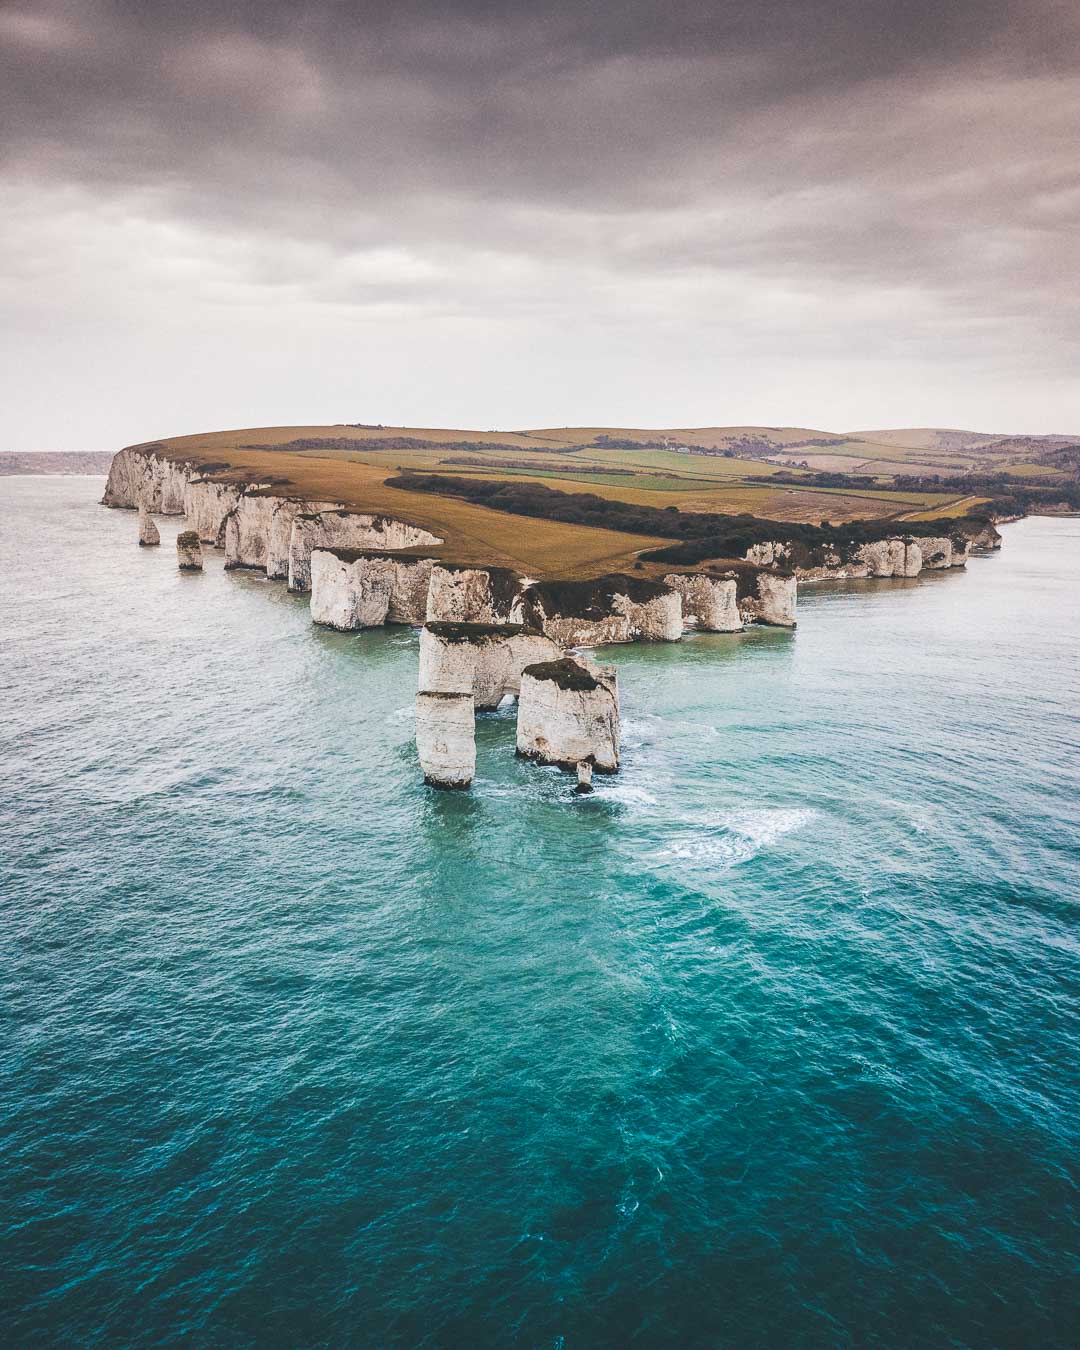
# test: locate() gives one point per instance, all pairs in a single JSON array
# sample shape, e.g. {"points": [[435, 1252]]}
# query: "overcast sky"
{"points": [[830, 213]]}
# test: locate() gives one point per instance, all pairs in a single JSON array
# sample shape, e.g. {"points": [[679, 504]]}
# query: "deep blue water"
{"points": [[773, 1041]]}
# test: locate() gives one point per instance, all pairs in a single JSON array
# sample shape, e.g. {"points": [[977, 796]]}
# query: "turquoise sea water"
{"points": [[773, 1041]]}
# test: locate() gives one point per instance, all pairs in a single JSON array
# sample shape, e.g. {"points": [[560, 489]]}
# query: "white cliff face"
{"points": [[985, 541], [481, 659], [206, 505], [961, 550], [772, 554], [772, 600], [352, 590], [568, 712], [446, 739], [283, 517], [346, 529], [937, 552], [484, 595], [189, 556], [139, 476], [709, 602], [605, 610], [148, 531]]}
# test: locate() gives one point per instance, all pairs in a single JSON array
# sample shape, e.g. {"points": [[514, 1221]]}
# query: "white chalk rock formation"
{"points": [[568, 713], [189, 556], [460, 594], [961, 550], [709, 600], [772, 554], [985, 540], [893, 557], [584, 776], [141, 476], [767, 597], [485, 660], [446, 739], [937, 552], [347, 530], [361, 588], [258, 528], [614, 608], [208, 503], [148, 531]]}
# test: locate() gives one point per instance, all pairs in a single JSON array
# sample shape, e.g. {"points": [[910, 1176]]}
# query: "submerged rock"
{"points": [[361, 588], [568, 713], [602, 610], [485, 660], [446, 738], [189, 557], [148, 531]]}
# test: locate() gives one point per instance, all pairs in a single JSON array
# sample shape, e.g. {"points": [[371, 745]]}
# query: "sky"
{"points": [[843, 214]]}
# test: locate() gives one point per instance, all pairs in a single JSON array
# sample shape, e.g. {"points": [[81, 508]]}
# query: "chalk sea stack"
{"points": [[189, 555], [487, 595], [485, 660], [446, 739], [568, 713], [614, 608], [148, 531]]}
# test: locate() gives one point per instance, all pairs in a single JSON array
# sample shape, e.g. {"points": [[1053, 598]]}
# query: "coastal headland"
{"points": [[515, 550]]}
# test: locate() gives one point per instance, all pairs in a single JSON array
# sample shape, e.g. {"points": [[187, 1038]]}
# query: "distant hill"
{"points": [[55, 462]]}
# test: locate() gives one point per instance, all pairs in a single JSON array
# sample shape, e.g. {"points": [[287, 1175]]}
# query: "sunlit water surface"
{"points": [[771, 1042]]}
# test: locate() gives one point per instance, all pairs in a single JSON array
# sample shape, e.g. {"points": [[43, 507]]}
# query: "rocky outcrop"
{"points": [[148, 531], [189, 557], [961, 550], [360, 588], [346, 530], [772, 600], [141, 476], [446, 738], [258, 528], [568, 713], [895, 557], [709, 600], [208, 503], [984, 540], [614, 608], [937, 552], [771, 554], [485, 660], [460, 594]]}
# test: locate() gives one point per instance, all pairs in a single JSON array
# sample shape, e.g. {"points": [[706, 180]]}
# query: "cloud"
{"points": [[836, 186]]}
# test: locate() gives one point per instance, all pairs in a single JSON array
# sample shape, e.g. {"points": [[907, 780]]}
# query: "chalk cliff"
{"points": [[985, 539], [485, 660], [895, 557], [937, 552], [149, 534], [568, 713], [614, 608], [138, 476], [446, 739], [459, 594], [346, 529], [359, 588], [207, 504], [189, 557], [709, 600]]}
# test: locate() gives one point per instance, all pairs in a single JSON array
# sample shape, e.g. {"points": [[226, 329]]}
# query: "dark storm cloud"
{"points": [[915, 160]]}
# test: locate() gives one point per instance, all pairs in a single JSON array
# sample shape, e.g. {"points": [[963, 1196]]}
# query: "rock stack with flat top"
{"points": [[568, 714], [446, 739], [189, 555]]}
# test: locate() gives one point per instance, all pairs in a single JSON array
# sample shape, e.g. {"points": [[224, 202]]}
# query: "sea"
{"points": [[773, 1041]]}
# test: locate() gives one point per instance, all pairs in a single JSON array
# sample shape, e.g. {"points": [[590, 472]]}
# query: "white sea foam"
{"points": [[726, 839]]}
